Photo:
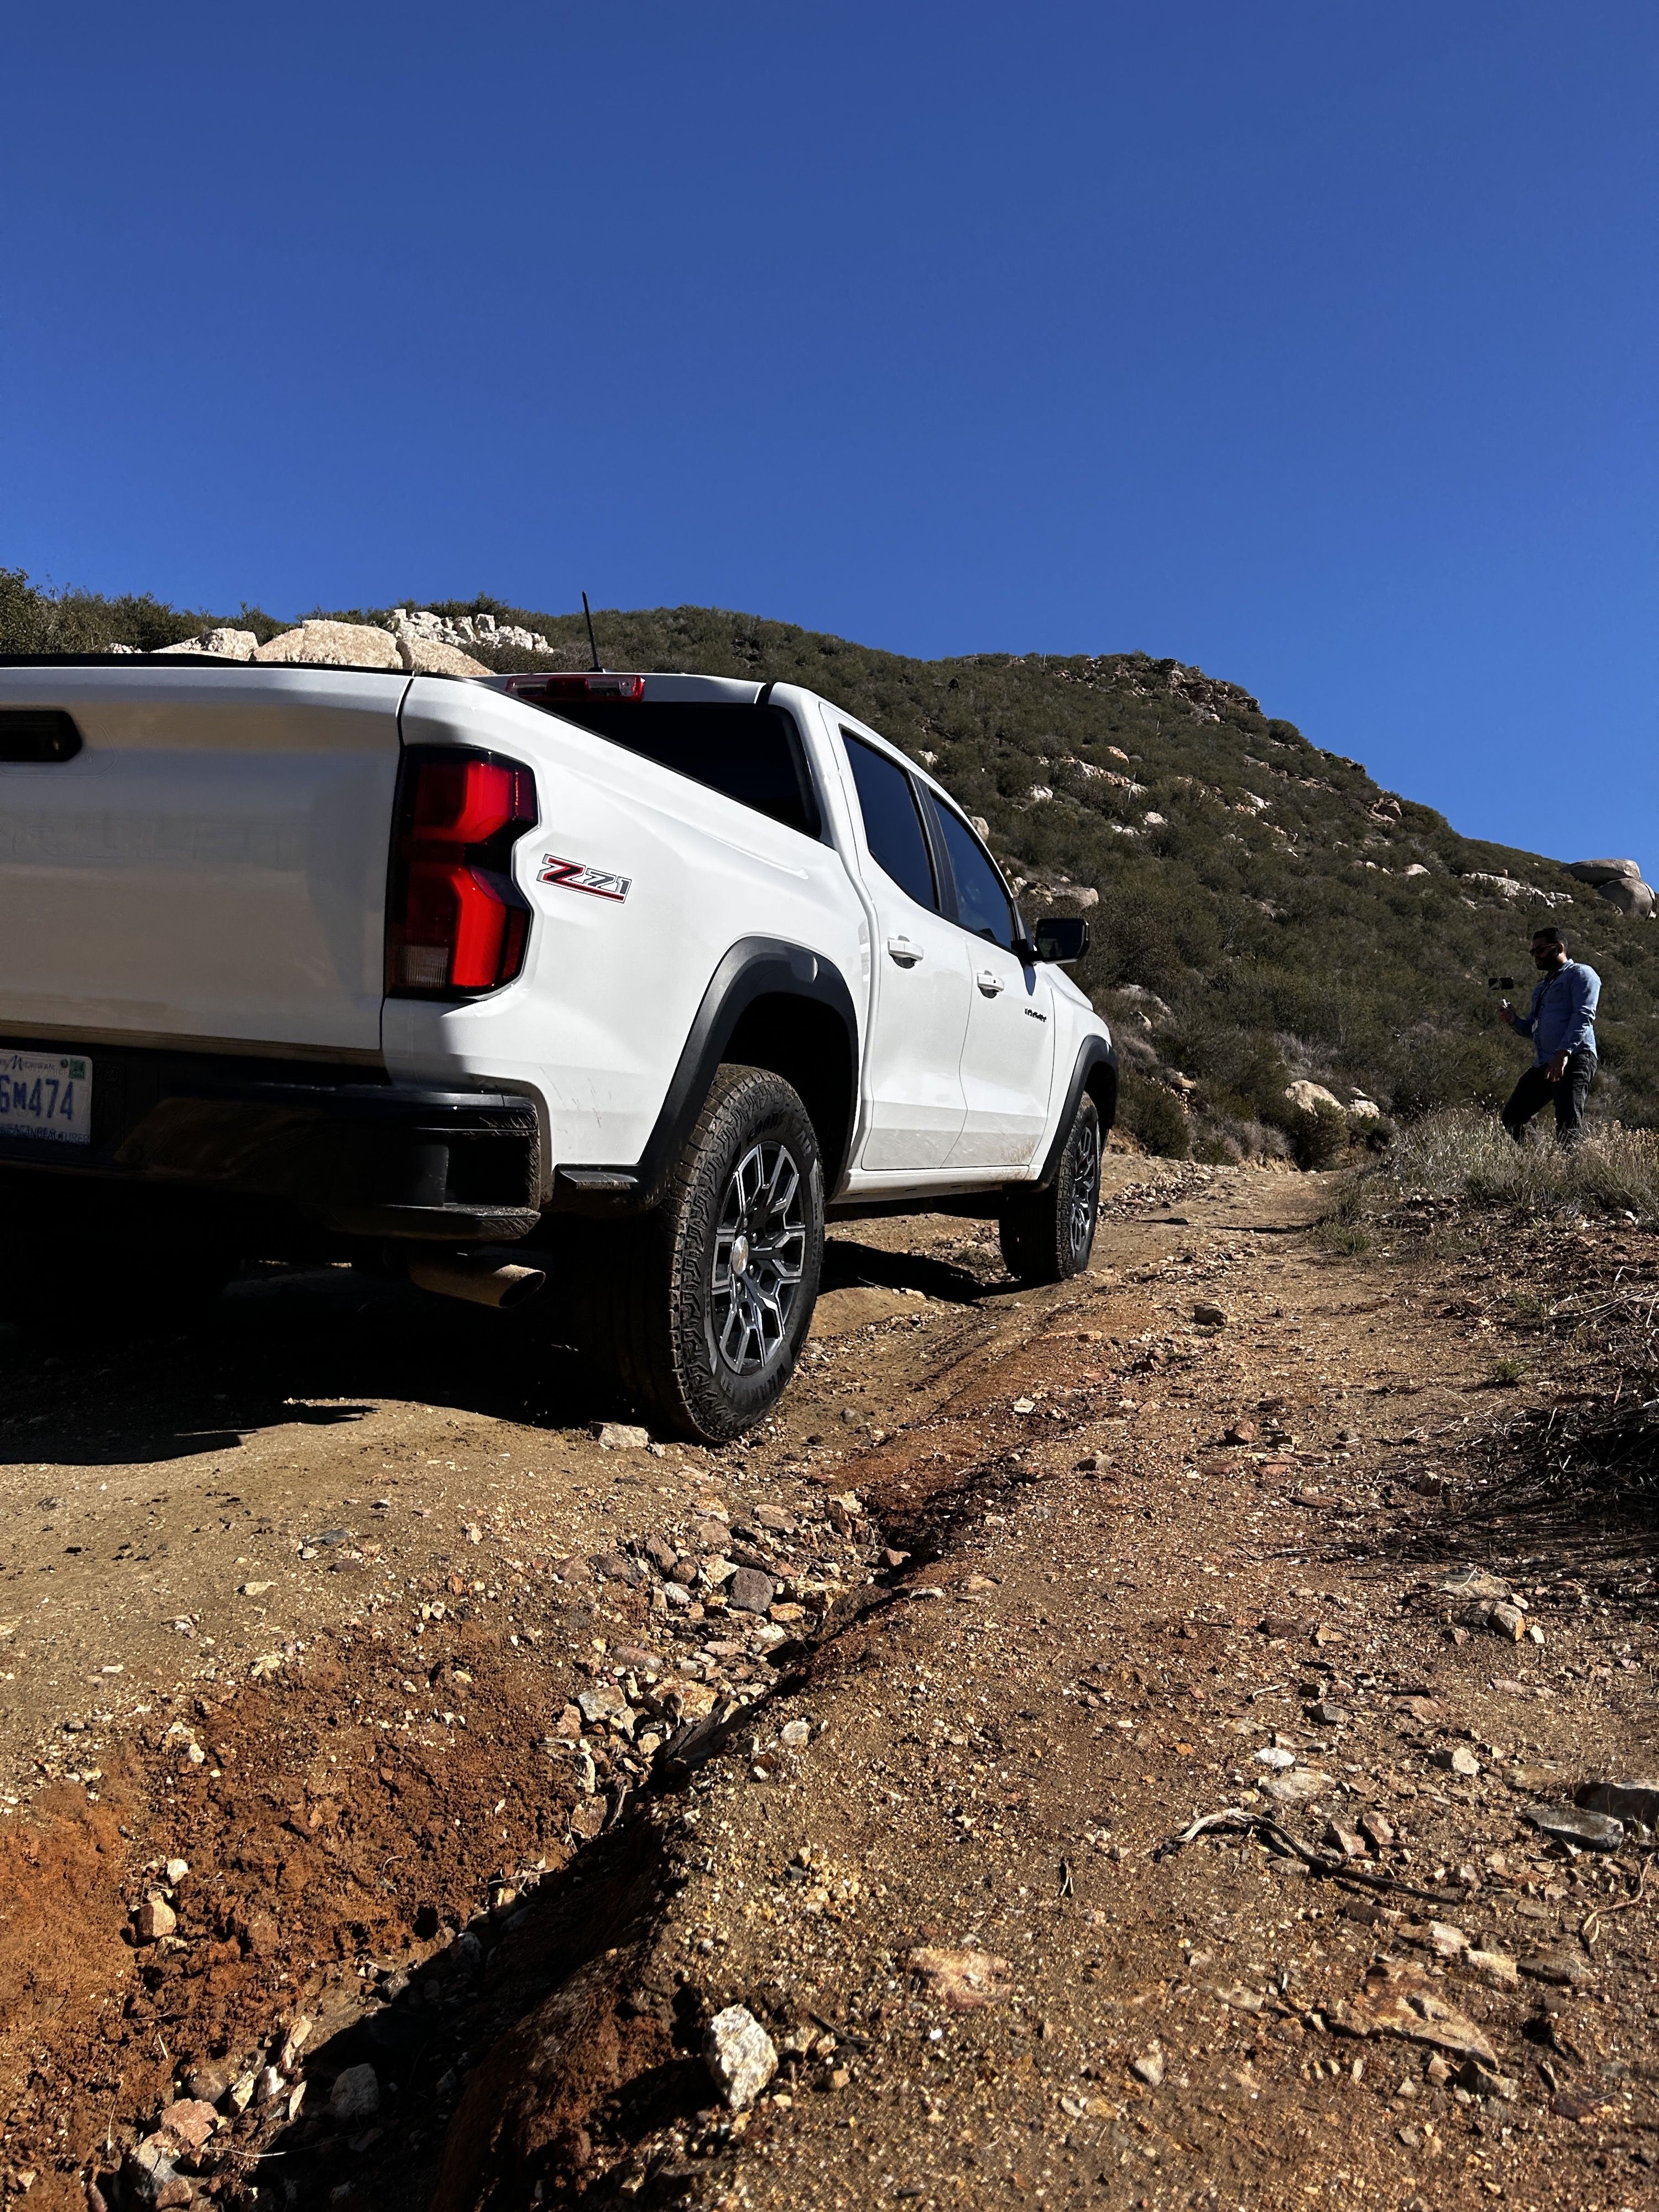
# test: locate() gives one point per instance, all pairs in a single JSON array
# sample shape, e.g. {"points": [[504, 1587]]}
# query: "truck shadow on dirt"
{"points": [[319, 1346], [315, 1347], [850, 1265]]}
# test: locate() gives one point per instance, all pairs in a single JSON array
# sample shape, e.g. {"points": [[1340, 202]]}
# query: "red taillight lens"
{"points": [[457, 922], [596, 683]]}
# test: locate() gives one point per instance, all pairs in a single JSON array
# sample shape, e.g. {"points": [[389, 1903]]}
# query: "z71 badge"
{"points": [[599, 883]]}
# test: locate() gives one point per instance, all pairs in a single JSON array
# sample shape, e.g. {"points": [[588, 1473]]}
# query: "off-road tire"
{"points": [[666, 1314], [1047, 1236]]}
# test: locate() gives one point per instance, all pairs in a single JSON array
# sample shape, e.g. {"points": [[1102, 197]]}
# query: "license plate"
{"points": [[45, 1095]]}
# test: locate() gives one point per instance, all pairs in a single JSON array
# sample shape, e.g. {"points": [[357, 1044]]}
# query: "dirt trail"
{"points": [[1107, 1611]]}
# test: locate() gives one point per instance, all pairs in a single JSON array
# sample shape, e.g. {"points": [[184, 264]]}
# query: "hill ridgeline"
{"points": [[1266, 917]]}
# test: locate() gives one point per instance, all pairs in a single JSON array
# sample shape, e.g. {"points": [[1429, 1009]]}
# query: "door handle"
{"points": [[989, 981], [903, 951]]}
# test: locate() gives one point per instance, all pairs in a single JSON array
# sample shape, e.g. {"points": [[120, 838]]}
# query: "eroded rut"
{"points": [[502, 1760]]}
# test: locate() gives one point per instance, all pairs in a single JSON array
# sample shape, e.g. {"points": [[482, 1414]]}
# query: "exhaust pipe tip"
{"points": [[480, 1279]]}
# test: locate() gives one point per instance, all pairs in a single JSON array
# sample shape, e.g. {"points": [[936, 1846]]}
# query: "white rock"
{"points": [[334, 644], [156, 1918], [220, 644], [1296, 1786], [605, 1707], [355, 2094], [620, 1435], [177, 1869], [409, 623], [1306, 1095], [428, 656], [741, 2055]]}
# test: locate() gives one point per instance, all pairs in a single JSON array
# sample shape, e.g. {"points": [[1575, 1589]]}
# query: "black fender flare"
{"points": [[1095, 1071], [755, 968]]}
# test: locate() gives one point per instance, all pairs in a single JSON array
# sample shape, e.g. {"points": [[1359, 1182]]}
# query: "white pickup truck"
{"points": [[626, 980]]}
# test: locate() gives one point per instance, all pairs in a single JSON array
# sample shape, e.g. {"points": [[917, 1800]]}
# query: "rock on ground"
{"points": [[355, 2094], [741, 2055]]}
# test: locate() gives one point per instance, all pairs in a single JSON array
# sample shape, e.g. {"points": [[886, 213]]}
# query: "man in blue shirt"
{"points": [[1561, 1023]]}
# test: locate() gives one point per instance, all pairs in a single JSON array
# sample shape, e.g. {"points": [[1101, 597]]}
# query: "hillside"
{"points": [[1264, 910]]}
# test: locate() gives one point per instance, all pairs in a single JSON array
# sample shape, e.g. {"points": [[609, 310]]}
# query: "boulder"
{"points": [[334, 645], [465, 631], [220, 644], [1597, 872], [1629, 894], [426, 656], [1308, 1097]]}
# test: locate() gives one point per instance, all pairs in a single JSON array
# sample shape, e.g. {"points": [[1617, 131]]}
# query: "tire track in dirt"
{"points": [[1077, 1660]]}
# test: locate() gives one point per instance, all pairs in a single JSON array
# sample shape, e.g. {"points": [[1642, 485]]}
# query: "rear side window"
{"points": [[892, 823], [752, 754], [982, 905]]}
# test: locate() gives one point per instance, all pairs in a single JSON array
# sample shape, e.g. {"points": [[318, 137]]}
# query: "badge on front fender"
{"points": [[575, 876]]}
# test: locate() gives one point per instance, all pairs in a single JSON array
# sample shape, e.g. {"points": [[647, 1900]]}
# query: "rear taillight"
{"points": [[596, 683], [456, 922]]}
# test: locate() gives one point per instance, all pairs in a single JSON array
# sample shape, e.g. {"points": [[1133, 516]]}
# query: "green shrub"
{"points": [[1318, 1135], [1155, 1115]]}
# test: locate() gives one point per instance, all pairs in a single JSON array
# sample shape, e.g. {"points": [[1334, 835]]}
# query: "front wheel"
{"points": [[1047, 1235], [706, 1303]]}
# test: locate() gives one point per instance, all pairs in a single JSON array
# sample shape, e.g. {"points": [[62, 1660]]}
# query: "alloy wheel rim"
{"points": [[1085, 1191], [760, 1257]]}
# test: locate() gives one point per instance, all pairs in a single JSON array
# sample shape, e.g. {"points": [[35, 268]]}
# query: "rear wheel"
{"points": [[1048, 1235], [702, 1308]]}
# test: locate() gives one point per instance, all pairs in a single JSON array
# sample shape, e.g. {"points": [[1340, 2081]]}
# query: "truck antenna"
{"points": [[588, 612]]}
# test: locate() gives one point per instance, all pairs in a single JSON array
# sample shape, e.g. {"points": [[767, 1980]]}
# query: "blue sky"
{"points": [[1313, 344]]}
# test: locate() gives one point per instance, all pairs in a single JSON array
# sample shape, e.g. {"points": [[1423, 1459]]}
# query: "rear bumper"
{"points": [[351, 1154]]}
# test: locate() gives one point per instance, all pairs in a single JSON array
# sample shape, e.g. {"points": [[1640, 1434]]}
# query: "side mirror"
{"points": [[1062, 936]]}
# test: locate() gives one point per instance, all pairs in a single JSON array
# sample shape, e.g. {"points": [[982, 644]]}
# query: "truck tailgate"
{"points": [[210, 865]]}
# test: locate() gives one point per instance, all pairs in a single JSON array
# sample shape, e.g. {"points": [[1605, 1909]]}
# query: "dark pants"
{"points": [[1533, 1093]]}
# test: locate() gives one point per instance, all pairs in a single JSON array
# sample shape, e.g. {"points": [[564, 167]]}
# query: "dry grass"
{"points": [[1466, 1155]]}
